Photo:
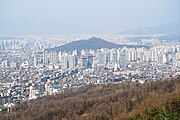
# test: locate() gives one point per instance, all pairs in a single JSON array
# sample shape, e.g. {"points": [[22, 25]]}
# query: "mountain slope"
{"points": [[105, 102]]}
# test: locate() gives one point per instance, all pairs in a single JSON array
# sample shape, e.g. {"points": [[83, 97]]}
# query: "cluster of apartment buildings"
{"points": [[111, 58], [8, 44]]}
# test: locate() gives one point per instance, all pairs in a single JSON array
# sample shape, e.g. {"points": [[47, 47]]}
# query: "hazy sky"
{"points": [[84, 16]]}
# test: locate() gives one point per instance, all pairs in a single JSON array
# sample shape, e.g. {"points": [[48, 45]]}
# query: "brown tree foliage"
{"points": [[100, 102]]}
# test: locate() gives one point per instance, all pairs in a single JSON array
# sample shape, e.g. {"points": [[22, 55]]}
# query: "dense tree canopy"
{"points": [[126, 100]]}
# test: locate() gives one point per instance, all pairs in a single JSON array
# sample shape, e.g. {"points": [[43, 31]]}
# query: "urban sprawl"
{"points": [[28, 71]]}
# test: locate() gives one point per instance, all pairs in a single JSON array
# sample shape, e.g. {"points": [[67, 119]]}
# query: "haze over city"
{"points": [[84, 16]]}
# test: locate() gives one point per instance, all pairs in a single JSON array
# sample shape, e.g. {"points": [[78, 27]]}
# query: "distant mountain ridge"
{"points": [[92, 43], [169, 28], [175, 36]]}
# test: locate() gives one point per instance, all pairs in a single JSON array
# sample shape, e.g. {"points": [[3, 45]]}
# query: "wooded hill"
{"points": [[92, 43], [155, 100]]}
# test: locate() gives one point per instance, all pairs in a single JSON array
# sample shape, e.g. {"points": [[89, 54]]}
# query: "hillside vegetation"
{"points": [[92, 43], [155, 100]]}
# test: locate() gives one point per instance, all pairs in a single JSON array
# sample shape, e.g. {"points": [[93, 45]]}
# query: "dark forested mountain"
{"points": [[92, 43], [154, 100]]}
